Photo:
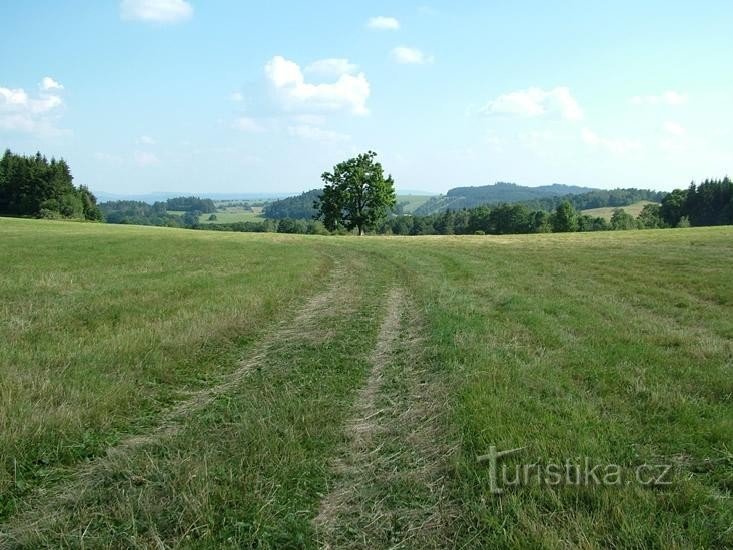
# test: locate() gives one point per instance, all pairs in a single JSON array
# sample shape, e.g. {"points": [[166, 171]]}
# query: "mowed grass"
{"points": [[102, 326], [607, 211], [612, 346]]}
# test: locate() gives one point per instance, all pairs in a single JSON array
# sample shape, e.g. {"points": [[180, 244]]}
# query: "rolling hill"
{"points": [[469, 197]]}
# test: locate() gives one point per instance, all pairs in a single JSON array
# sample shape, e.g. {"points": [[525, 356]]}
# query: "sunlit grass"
{"points": [[615, 346]]}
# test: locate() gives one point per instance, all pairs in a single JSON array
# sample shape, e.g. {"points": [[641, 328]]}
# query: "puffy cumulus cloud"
{"points": [[382, 23], [665, 98], [332, 67], [410, 56], [349, 92], [536, 102], [35, 115], [617, 146], [156, 11], [313, 133], [146, 140], [49, 83]]}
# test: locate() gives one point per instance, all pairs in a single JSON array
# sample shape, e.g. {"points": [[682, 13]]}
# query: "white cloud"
{"points": [[674, 128], [665, 98], [310, 120], [49, 83], [332, 67], [237, 97], [617, 146], [348, 92], [156, 11], [145, 158], [535, 102], [34, 115], [382, 23], [146, 140], [314, 133], [247, 124], [410, 56]]}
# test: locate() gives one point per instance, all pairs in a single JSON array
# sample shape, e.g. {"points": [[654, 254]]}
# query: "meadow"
{"points": [[606, 212], [166, 387], [228, 214]]}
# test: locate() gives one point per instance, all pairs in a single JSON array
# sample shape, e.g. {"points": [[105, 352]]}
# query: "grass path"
{"points": [[385, 485], [389, 487], [172, 421], [49, 509]]}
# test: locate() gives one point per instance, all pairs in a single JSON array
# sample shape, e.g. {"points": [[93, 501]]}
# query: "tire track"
{"points": [[391, 477], [44, 507]]}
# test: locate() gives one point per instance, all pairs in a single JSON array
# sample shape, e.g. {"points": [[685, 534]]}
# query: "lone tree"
{"points": [[356, 194], [565, 218]]}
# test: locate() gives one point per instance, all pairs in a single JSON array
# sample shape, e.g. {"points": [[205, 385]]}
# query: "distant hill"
{"points": [[600, 198], [301, 206], [469, 197], [151, 198]]}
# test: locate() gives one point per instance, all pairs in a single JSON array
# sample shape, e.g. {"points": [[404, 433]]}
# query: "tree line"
{"points": [[174, 212], [299, 207], [191, 204], [357, 196], [302, 206], [506, 219], [34, 186], [710, 203]]}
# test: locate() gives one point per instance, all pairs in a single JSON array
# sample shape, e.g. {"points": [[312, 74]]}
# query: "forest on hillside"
{"points": [[34, 186], [546, 197], [173, 212]]}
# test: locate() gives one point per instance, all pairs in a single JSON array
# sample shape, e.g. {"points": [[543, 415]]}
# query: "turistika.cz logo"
{"points": [[581, 471]]}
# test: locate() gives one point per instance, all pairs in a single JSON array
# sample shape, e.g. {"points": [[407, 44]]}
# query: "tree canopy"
{"points": [[356, 194], [34, 186], [710, 203], [565, 218], [191, 204], [298, 207]]}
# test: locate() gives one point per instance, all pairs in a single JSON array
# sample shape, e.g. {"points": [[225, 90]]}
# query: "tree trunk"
{"points": [[361, 231]]}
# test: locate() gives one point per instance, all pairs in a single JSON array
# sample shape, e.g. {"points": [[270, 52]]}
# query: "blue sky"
{"points": [[237, 96]]}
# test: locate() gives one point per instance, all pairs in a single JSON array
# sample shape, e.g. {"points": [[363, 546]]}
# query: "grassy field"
{"points": [[412, 201], [164, 387], [606, 212], [233, 214], [229, 214]]}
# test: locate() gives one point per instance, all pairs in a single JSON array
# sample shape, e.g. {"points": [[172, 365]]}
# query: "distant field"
{"points": [[165, 387], [228, 214], [234, 214], [606, 212], [413, 201]]}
